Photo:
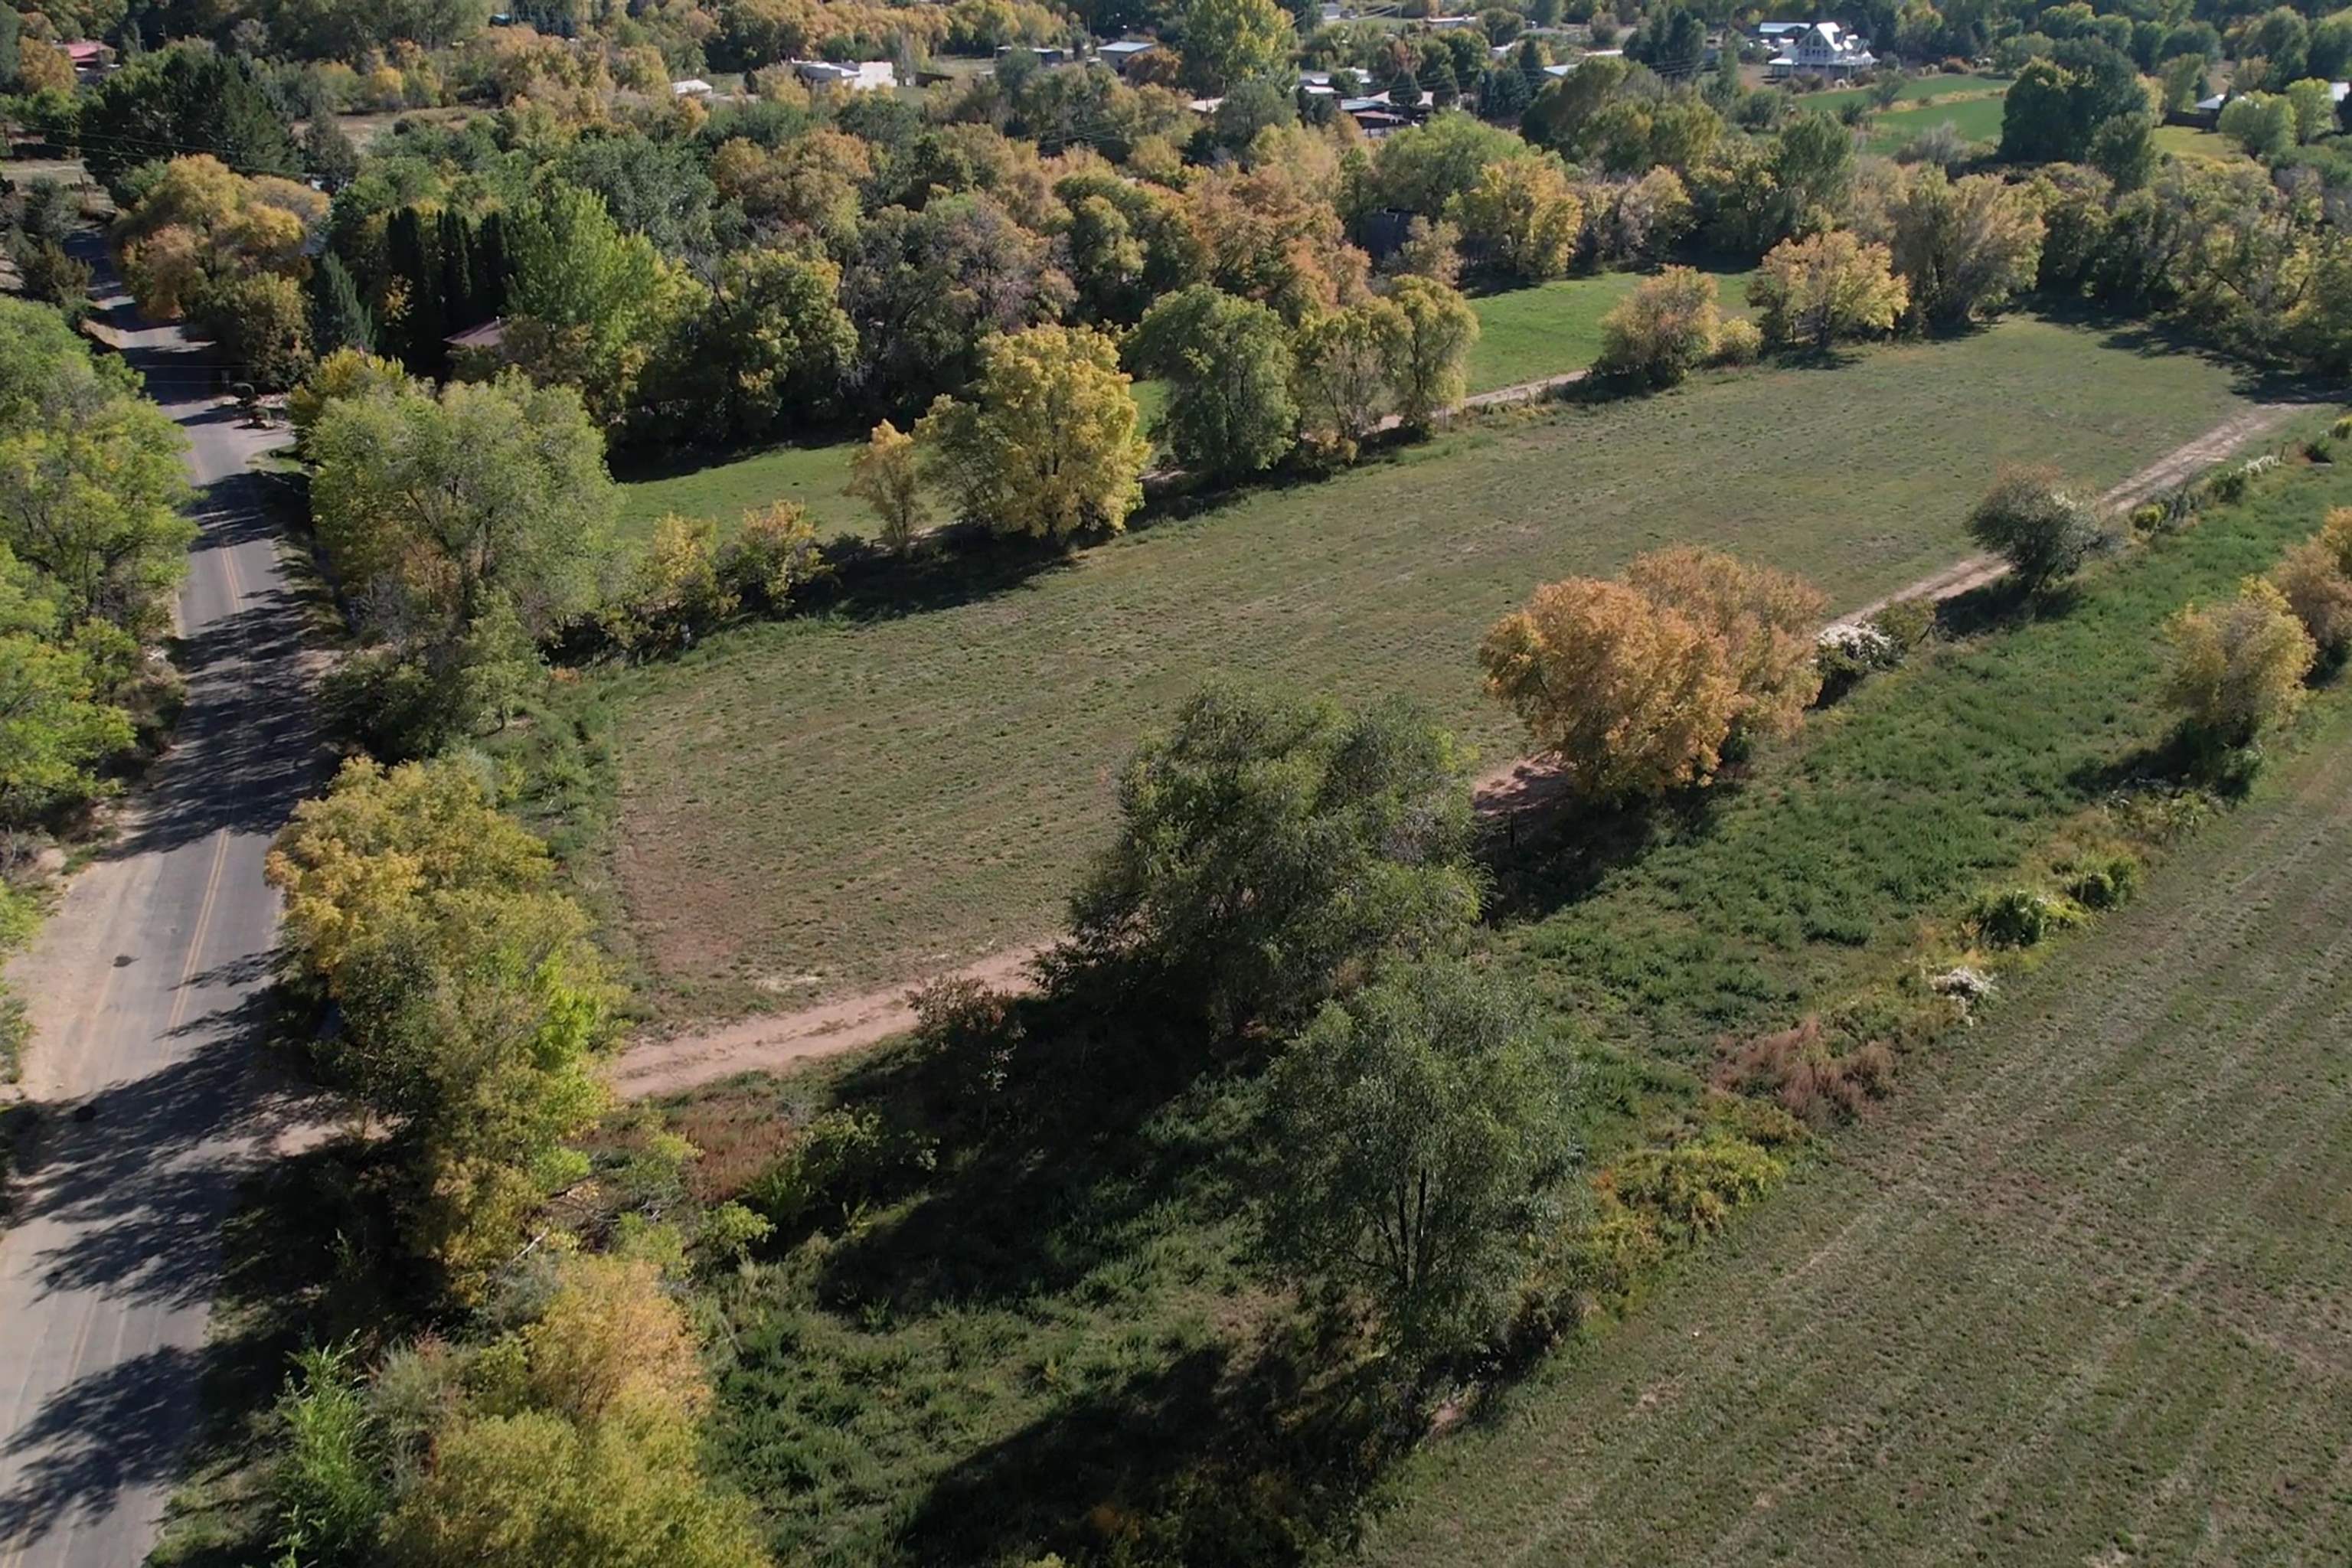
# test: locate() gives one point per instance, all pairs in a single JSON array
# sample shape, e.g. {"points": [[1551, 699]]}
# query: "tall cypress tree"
{"points": [[410, 263], [340, 318], [490, 264], [454, 240]]}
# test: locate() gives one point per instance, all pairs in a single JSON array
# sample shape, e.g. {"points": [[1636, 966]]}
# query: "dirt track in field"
{"points": [[770, 1041]]}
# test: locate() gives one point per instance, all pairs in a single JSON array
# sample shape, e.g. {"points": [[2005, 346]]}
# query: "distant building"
{"points": [[1125, 53], [691, 87], [1047, 54], [89, 57], [488, 338], [866, 76], [1822, 48]]}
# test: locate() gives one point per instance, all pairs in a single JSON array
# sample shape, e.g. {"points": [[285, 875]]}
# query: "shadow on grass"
{"points": [[1206, 1463]]}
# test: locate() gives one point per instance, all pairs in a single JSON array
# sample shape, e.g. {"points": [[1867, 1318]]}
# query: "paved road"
{"points": [[145, 992]]}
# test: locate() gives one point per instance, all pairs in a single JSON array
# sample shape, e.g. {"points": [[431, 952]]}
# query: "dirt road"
{"points": [[144, 989], [766, 1042]]}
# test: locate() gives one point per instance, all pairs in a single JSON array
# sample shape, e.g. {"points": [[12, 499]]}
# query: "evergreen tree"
{"points": [[453, 242], [410, 265], [340, 318]]}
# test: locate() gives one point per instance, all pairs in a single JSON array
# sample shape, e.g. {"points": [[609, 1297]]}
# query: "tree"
{"points": [[262, 323], [471, 997], [1627, 696], [2316, 577], [1412, 1125], [2185, 83], [1268, 851], [2238, 668], [1965, 248], [1229, 366], [189, 98], [1343, 360], [1048, 443], [776, 335], [1227, 41], [2032, 519], [1524, 214], [1660, 331], [1765, 620], [1429, 356], [340, 318], [430, 507], [1671, 40], [347, 373], [2313, 104], [885, 477], [54, 732], [588, 303], [928, 288], [1812, 292], [90, 481], [2261, 122], [1425, 168], [2056, 105]]}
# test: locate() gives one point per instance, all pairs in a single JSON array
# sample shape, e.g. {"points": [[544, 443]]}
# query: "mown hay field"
{"points": [[916, 777], [2078, 1297]]}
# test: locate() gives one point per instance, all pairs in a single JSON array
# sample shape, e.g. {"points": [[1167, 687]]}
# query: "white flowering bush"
{"points": [[1846, 652], [1970, 986]]}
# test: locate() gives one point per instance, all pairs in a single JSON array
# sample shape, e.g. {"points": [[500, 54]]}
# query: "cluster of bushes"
{"points": [[93, 544]]}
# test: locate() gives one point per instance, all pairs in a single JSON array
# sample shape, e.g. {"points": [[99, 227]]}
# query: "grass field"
{"points": [[1976, 119], [809, 806], [1526, 334], [1052, 1337], [1916, 89], [2080, 1299], [2188, 141]]}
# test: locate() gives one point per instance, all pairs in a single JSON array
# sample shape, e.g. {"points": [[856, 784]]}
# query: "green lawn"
{"points": [[834, 801], [1526, 334], [2188, 141], [813, 476], [1976, 119], [1914, 90], [2076, 1298]]}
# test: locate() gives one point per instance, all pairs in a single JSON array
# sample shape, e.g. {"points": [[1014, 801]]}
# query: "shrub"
{"points": [[2319, 449], [2238, 668], [671, 593], [2316, 579], [2147, 518], [843, 1156], [1906, 623], [2342, 430], [1661, 331], [2032, 519], [1800, 1071], [2107, 884], [772, 557], [1738, 341], [1695, 1187], [1845, 653], [2019, 917]]}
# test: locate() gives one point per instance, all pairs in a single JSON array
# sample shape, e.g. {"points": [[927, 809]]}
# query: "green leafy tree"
{"points": [[2056, 105], [779, 340], [54, 732], [2313, 104], [1230, 366], [1227, 41], [2261, 122], [588, 303], [90, 481], [2033, 520], [1049, 443], [1268, 851], [1412, 1125], [1813, 292], [189, 98], [1343, 360], [1965, 248]]}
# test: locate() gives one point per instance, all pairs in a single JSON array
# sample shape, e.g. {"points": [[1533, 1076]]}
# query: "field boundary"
{"points": [[656, 1065]]}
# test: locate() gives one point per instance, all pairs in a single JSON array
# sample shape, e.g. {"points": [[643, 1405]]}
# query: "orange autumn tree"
{"points": [[1629, 696], [1637, 686]]}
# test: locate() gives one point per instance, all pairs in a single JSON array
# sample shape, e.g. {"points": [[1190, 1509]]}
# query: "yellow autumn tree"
{"points": [[1765, 619], [1809, 293], [1051, 442], [1526, 216], [885, 477], [1660, 331], [2237, 668], [1630, 697]]}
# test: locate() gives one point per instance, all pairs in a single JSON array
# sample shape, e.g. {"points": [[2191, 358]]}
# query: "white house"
{"points": [[691, 87], [1823, 48], [866, 76]]}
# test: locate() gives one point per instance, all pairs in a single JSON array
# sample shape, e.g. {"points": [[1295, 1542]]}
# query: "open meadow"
{"points": [[1526, 334], [1976, 120], [913, 779], [2079, 1297]]}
